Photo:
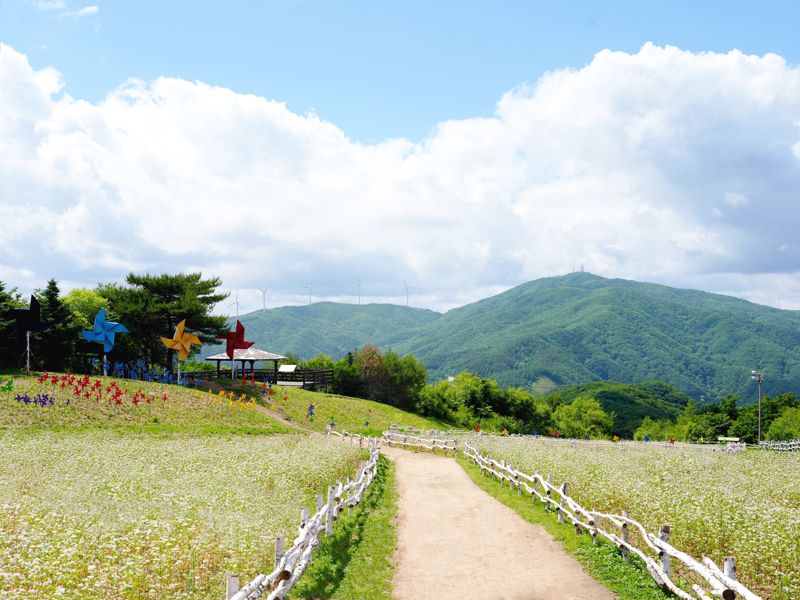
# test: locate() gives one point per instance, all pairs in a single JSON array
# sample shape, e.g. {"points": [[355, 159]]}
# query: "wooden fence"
{"points": [[394, 438], [790, 446], [291, 564], [722, 583], [307, 377]]}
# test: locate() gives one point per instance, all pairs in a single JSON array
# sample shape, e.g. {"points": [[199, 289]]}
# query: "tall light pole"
{"points": [[758, 377], [359, 293], [308, 287]]}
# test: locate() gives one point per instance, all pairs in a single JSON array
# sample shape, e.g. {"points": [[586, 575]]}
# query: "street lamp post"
{"points": [[758, 377]]}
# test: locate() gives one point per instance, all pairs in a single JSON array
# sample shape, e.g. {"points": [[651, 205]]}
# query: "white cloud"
{"points": [[47, 5], [662, 165], [86, 11]]}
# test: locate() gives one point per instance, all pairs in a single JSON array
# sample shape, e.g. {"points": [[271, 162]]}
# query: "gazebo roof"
{"points": [[249, 354]]}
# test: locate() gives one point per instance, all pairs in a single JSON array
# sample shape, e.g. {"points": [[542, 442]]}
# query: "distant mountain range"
{"points": [[564, 330]]}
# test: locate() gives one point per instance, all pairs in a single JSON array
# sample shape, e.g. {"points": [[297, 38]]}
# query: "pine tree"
{"points": [[55, 347], [9, 343]]}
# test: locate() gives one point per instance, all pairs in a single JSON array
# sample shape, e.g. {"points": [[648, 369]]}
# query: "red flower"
{"points": [[43, 377]]}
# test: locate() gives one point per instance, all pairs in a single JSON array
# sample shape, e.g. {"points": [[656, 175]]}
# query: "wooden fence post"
{"points": [[561, 504], [304, 515], [329, 514], [231, 586], [663, 535], [625, 536], [730, 567], [279, 541], [594, 528]]}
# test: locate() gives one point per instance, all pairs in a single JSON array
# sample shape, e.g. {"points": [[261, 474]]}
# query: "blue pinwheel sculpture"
{"points": [[103, 332]]}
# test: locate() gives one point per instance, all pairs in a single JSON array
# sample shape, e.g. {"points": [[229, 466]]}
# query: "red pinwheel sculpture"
{"points": [[235, 340]]}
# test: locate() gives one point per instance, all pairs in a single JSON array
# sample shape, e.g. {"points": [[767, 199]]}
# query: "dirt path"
{"points": [[455, 541]]}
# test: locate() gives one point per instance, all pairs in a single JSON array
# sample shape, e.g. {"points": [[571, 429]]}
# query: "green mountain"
{"points": [[581, 327], [328, 327], [565, 330]]}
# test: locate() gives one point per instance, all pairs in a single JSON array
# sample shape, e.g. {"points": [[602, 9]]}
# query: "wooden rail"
{"points": [[790, 446], [308, 377], [290, 564], [394, 438], [722, 584]]}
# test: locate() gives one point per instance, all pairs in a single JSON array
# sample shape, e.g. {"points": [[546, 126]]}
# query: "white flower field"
{"points": [[99, 514]]}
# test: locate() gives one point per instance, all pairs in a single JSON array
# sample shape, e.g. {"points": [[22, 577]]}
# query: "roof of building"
{"points": [[249, 354]]}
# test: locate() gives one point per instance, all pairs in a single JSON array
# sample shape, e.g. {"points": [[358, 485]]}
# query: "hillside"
{"points": [[581, 327], [629, 403], [565, 330], [329, 327]]}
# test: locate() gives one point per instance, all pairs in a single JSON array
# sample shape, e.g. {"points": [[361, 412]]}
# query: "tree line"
{"points": [[780, 420], [150, 306]]}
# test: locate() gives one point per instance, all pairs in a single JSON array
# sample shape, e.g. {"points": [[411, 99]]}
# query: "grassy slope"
{"points": [[182, 410], [349, 414]]}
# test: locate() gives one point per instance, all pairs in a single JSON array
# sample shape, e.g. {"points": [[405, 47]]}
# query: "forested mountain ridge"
{"points": [[564, 330]]}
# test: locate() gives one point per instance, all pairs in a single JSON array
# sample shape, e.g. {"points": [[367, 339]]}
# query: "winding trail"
{"points": [[457, 542]]}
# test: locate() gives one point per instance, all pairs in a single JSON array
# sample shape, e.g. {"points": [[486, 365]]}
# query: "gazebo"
{"points": [[252, 356]]}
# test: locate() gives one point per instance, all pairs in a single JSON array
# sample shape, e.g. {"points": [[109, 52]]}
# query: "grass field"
{"points": [[745, 505]]}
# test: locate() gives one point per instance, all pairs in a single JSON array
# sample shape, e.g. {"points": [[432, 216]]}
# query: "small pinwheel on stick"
{"points": [[103, 333], [182, 342]]}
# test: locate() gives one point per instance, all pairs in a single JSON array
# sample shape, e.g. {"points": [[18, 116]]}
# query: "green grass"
{"points": [[356, 562], [629, 579], [349, 414]]}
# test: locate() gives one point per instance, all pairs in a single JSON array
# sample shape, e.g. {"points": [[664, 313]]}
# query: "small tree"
{"points": [[583, 416]]}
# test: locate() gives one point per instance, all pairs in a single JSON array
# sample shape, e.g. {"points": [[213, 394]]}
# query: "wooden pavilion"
{"points": [[252, 356]]}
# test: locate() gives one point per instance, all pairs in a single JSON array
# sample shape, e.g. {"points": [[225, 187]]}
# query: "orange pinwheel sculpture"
{"points": [[181, 341]]}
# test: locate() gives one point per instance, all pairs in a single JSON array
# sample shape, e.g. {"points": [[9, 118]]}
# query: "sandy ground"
{"points": [[455, 541]]}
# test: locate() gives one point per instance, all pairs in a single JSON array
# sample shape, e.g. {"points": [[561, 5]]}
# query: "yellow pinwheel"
{"points": [[181, 341]]}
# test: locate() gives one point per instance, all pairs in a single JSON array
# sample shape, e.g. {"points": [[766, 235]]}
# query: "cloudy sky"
{"points": [[457, 150]]}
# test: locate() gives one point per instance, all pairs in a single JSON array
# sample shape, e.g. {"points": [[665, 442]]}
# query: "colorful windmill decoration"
{"points": [[235, 341], [103, 333], [28, 319], [182, 342]]}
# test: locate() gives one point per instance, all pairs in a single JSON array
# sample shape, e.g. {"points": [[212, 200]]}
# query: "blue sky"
{"points": [[375, 69], [461, 147]]}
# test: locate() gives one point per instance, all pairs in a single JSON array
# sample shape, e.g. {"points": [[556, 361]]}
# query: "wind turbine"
{"points": [[236, 304], [308, 287], [407, 288], [263, 296], [359, 292]]}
